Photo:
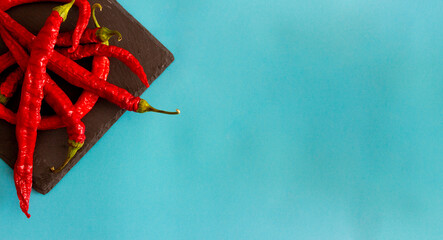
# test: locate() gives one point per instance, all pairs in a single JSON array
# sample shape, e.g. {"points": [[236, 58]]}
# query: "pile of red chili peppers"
{"points": [[34, 55]]}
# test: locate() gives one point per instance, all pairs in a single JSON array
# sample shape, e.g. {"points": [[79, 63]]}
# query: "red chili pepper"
{"points": [[100, 67], [64, 108], [6, 60], [55, 97], [65, 39], [86, 101], [80, 77], [83, 17], [28, 115], [94, 35], [8, 87], [84, 105], [72, 72], [121, 54]]}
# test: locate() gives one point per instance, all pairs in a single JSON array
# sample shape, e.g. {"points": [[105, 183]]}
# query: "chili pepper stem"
{"points": [[104, 33], [3, 99], [96, 5], [63, 10], [144, 106], [73, 149]]}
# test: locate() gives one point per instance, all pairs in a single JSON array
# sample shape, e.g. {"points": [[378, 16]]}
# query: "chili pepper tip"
{"points": [[144, 106], [24, 204], [63, 10]]}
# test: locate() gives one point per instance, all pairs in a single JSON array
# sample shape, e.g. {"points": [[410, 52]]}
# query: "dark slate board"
{"points": [[52, 145]]}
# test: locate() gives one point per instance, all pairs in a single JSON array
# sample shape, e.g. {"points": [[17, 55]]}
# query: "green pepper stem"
{"points": [[73, 149], [104, 34], [144, 106], [63, 10], [96, 5]]}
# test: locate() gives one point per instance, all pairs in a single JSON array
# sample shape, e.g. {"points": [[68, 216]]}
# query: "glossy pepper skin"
{"points": [[84, 105], [28, 115], [60, 102], [74, 73], [99, 64], [80, 77], [83, 18], [55, 97], [109, 51], [91, 35], [101, 68], [6, 60], [86, 101], [9, 86]]}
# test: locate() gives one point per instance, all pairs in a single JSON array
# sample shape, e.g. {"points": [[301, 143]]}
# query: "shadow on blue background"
{"points": [[300, 120]]}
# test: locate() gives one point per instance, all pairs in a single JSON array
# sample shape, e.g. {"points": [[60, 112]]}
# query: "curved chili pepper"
{"points": [[121, 54], [8, 87], [28, 115], [59, 101], [65, 39], [125, 57], [64, 108], [87, 100], [94, 35], [74, 73], [6, 60], [55, 97], [83, 106], [83, 17], [80, 77], [100, 67], [99, 64]]}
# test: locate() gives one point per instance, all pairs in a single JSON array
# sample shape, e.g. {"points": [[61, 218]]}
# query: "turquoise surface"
{"points": [[300, 120]]}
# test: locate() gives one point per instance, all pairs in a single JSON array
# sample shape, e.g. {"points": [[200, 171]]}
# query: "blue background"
{"points": [[300, 120]]}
